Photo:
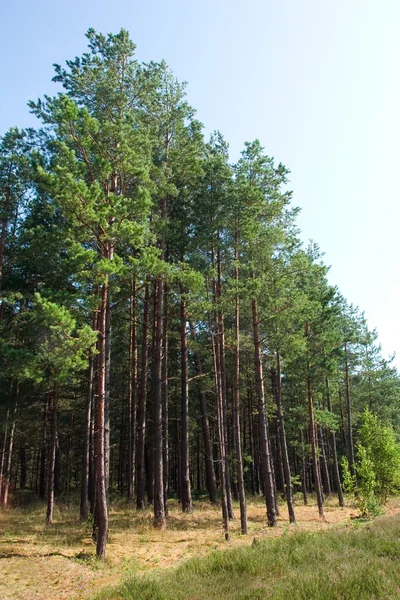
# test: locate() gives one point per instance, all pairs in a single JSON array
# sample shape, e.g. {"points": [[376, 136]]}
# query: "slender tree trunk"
{"points": [[278, 451], [266, 466], [221, 432], [7, 471], [313, 441], [43, 452], [107, 391], [208, 452], [254, 490], [132, 396], [92, 449], [221, 348], [303, 469], [3, 450], [100, 459], [326, 483], [283, 444], [84, 507], [140, 453], [159, 508], [52, 456], [165, 408], [236, 405], [159, 302], [336, 473], [186, 495]]}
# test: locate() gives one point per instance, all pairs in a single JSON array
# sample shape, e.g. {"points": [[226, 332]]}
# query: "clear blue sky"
{"points": [[317, 81]]}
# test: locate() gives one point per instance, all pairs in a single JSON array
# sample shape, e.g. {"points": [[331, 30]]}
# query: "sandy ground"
{"points": [[39, 562]]}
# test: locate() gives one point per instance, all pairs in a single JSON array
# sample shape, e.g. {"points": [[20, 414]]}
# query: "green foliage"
{"points": [[366, 484], [62, 347], [348, 480], [382, 452]]}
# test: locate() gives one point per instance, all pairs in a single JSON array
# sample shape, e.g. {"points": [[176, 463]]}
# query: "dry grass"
{"points": [[39, 562]]}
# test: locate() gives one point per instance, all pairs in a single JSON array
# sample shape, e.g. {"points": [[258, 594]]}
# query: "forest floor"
{"points": [[42, 562]]}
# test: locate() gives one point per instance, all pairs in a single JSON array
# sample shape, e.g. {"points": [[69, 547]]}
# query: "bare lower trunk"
{"points": [[314, 450], [326, 483], [107, 393], [283, 444], [221, 348], [266, 466], [186, 495], [165, 408], [221, 434], [84, 507], [141, 418], [159, 507], [208, 452], [52, 456], [236, 409], [336, 473], [303, 469], [5, 487], [132, 396], [254, 488], [3, 451], [100, 459]]}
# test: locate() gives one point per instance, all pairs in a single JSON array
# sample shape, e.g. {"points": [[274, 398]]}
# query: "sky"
{"points": [[317, 81]]}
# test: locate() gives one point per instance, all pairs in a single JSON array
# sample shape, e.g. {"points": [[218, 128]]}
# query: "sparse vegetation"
{"points": [[38, 562], [353, 563]]}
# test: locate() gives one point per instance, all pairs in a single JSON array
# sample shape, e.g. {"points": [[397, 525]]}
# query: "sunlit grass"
{"points": [[353, 563], [57, 562]]}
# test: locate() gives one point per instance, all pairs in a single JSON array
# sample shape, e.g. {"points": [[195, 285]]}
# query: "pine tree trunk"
{"points": [[8, 462], [221, 348], [266, 466], [43, 452], [84, 507], [159, 508], [283, 442], [141, 424], [186, 495], [221, 430], [165, 408], [52, 456], [100, 458], [236, 406], [92, 447], [336, 473], [254, 489], [132, 396], [208, 452], [3, 451], [303, 469], [326, 483], [107, 392], [278, 452], [314, 449]]}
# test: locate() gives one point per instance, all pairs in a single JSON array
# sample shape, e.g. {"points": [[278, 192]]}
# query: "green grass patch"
{"points": [[355, 562]]}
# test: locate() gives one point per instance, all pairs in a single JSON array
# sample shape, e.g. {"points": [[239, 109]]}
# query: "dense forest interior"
{"points": [[164, 333]]}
